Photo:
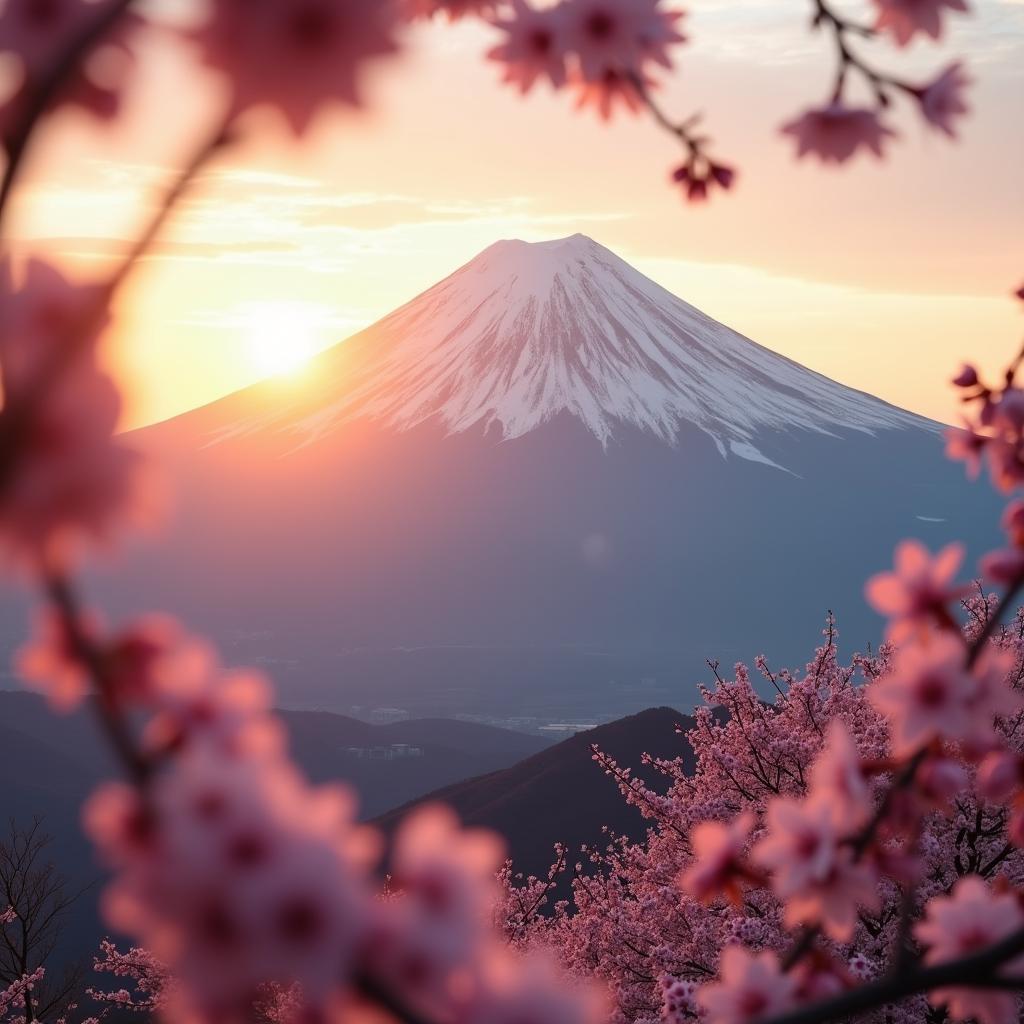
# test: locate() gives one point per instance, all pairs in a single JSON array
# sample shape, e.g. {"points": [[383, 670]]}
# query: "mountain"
{"points": [[560, 794], [526, 332], [546, 488]]}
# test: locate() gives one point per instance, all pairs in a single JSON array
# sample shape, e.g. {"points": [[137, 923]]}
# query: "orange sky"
{"points": [[882, 276]]}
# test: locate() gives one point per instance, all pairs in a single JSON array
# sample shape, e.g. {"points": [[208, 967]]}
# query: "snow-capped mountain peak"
{"points": [[527, 331]]}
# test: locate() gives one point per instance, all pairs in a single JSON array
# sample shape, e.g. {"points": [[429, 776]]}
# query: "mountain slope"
{"points": [[560, 794]]}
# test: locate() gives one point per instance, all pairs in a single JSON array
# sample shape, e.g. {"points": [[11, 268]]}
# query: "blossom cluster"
{"points": [[843, 127], [777, 869], [863, 832], [299, 56]]}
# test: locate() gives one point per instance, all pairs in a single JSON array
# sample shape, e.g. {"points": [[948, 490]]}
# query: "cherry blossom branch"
{"points": [[825, 14], [973, 971], [699, 171], [217, 140], [65, 602], [994, 618], [49, 87]]}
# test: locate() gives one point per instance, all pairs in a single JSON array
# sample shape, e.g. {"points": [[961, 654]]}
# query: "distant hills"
{"points": [[560, 794], [49, 764], [535, 795]]}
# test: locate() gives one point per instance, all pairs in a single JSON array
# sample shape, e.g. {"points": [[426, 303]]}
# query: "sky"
{"points": [[881, 275]]}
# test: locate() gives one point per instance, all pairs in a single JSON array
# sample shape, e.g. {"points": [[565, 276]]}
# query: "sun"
{"points": [[279, 338]]}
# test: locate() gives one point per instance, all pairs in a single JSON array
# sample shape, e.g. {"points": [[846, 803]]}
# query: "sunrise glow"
{"points": [[280, 337]]}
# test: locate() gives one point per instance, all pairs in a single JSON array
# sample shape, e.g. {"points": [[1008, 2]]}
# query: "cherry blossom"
{"points": [[970, 919], [697, 178], [939, 781], [834, 133], [927, 695], [614, 90], [1003, 566], [245, 880], [967, 377], [52, 664], [919, 589], [834, 902], [619, 36], [942, 102], [966, 445], [1012, 522], [49, 663], [801, 847], [295, 55], [435, 928], [818, 880], [680, 1000], [75, 480], [999, 774], [837, 779], [717, 852], [37, 33], [752, 987], [533, 47], [903, 19]]}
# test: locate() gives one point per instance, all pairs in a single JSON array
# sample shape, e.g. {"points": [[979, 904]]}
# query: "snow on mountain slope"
{"points": [[526, 331]]}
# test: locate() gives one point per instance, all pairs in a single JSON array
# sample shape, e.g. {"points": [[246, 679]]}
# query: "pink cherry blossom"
{"points": [[73, 480], [295, 55], [1005, 462], [927, 695], [244, 876], [903, 19], [1003, 566], [966, 445], [529, 992], [752, 988], [533, 46], [446, 878], [1012, 522], [612, 91], [918, 591], [837, 778], [999, 774], [717, 858], [939, 781], [942, 102], [967, 377], [800, 848], [619, 36], [991, 697], [834, 133], [679, 1000], [49, 663], [833, 902], [818, 880], [972, 918], [697, 180], [37, 33]]}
